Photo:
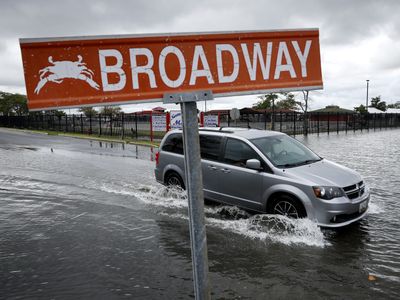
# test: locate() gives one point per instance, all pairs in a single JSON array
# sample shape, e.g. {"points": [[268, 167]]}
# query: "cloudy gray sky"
{"points": [[360, 39]]}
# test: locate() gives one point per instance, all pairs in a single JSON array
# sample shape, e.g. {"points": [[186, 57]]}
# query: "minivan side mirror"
{"points": [[253, 164]]}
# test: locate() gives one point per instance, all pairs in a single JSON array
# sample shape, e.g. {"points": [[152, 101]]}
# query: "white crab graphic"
{"points": [[65, 69]]}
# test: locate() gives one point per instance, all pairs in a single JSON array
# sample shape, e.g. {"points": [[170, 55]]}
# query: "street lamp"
{"points": [[367, 95]]}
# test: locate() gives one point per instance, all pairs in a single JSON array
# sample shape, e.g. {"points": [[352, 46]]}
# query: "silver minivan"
{"points": [[268, 172]]}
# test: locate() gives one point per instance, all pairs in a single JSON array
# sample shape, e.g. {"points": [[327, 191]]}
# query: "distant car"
{"points": [[268, 172]]}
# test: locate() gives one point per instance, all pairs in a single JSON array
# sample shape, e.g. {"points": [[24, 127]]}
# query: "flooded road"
{"points": [[88, 221]]}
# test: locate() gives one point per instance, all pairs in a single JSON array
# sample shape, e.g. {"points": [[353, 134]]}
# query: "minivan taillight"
{"points": [[157, 157]]}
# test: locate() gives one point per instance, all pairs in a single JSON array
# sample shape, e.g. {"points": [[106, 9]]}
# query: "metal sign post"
{"points": [[194, 187]]}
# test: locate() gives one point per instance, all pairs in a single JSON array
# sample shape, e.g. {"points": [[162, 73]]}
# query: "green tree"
{"points": [[289, 102], [5, 104], [360, 109], [111, 110], [13, 104], [266, 101], [378, 104], [20, 104], [88, 111], [282, 101]]}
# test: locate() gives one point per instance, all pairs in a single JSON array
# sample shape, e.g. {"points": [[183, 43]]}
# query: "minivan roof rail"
{"points": [[225, 129], [216, 129]]}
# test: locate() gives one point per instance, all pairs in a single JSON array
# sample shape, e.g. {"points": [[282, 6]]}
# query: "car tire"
{"points": [[287, 206], [174, 180]]}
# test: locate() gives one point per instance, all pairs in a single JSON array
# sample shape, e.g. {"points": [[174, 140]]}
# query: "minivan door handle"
{"points": [[212, 167], [225, 170]]}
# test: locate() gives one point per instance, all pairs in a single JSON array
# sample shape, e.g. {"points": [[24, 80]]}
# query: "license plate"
{"points": [[363, 206]]}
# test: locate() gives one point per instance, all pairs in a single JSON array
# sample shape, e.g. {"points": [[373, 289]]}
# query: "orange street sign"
{"points": [[104, 70]]}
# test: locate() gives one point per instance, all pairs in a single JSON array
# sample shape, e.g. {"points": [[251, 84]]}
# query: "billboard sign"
{"points": [[106, 70]]}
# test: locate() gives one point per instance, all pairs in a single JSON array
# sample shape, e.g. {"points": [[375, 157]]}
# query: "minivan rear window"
{"points": [[210, 147], [173, 144]]}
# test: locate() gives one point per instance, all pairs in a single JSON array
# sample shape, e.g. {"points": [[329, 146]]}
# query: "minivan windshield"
{"points": [[284, 151]]}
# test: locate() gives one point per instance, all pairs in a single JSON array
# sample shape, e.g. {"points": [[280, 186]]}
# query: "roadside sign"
{"points": [[175, 119], [211, 121], [159, 122], [106, 70]]}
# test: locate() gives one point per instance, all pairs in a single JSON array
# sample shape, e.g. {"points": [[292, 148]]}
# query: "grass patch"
{"points": [[111, 139]]}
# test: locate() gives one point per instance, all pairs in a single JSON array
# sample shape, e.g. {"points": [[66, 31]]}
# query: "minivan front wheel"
{"points": [[174, 180], [287, 206]]}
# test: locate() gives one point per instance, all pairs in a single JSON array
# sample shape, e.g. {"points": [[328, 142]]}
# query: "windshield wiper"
{"points": [[310, 161], [290, 165], [306, 162]]}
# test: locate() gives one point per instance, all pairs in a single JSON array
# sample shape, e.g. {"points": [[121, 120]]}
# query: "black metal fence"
{"points": [[138, 126], [134, 126], [295, 123]]}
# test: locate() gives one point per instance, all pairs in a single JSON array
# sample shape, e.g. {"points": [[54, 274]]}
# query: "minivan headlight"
{"points": [[328, 192]]}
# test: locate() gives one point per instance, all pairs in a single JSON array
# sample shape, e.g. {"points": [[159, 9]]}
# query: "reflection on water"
{"points": [[88, 221], [137, 151]]}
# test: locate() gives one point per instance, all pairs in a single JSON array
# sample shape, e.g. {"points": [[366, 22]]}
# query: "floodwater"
{"points": [[88, 221]]}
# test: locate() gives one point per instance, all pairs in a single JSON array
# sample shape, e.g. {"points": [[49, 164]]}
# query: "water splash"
{"points": [[153, 195], [274, 228], [266, 228]]}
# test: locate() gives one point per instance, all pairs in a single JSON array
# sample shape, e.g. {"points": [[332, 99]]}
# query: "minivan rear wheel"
{"points": [[174, 180], [287, 206]]}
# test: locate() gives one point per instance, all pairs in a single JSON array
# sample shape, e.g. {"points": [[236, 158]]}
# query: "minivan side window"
{"points": [[210, 147], [237, 153], [174, 144]]}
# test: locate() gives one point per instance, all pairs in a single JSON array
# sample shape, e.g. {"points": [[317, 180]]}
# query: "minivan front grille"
{"points": [[355, 190]]}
